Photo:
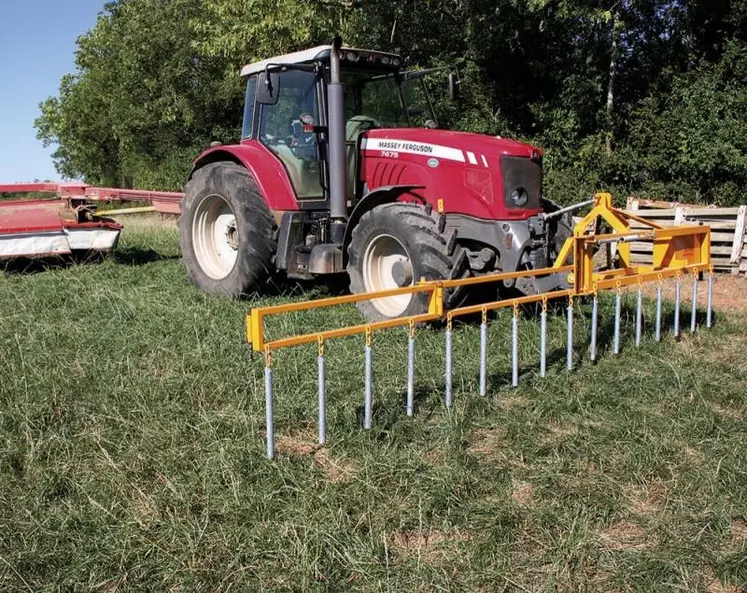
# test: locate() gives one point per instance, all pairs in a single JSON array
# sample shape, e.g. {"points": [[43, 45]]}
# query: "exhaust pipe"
{"points": [[336, 155]]}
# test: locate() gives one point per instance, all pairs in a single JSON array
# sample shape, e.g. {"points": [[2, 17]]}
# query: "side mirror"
{"points": [[268, 88], [454, 84]]}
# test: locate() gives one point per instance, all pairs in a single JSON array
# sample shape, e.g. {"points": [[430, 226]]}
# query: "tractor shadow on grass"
{"points": [[23, 266], [279, 285], [134, 256]]}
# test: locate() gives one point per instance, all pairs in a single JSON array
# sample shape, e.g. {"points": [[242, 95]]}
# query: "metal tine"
{"points": [[639, 316], [594, 323], [484, 353], [658, 312], [618, 307], [411, 369], [368, 403], [677, 294], [322, 394], [709, 311], [569, 347], [694, 311], [269, 407], [515, 347], [543, 339], [447, 372]]}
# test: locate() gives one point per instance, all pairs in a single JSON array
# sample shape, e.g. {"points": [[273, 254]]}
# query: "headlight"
{"points": [[519, 196]]}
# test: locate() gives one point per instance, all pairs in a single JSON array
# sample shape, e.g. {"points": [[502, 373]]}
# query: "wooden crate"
{"points": [[728, 238]]}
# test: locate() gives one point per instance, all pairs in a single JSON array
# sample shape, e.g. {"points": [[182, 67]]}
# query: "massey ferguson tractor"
{"points": [[341, 168]]}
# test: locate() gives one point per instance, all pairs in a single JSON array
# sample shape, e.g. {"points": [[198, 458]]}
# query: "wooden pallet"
{"points": [[728, 225]]}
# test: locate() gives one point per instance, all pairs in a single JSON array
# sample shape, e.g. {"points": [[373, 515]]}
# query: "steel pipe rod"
{"points": [[447, 372], [269, 413], [658, 314], [515, 351], [410, 375], [368, 403], [322, 400], [569, 347], [483, 358], [709, 304], [594, 321], [543, 343], [694, 311], [677, 291], [639, 318], [616, 339]]}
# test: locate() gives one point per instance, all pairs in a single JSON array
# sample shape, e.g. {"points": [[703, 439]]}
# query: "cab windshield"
{"points": [[384, 100]]}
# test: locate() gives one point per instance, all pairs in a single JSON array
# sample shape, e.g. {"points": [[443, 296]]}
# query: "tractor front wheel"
{"points": [[226, 231], [396, 245]]}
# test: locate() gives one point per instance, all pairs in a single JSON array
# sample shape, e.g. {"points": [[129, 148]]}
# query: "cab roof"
{"points": [[320, 53]]}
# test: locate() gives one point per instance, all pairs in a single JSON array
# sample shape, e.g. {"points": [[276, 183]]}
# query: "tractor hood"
{"points": [[471, 146], [472, 174]]}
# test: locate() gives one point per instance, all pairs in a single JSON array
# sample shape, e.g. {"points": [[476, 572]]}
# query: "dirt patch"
{"points": [[644, 499], [625, 536], [338, 471], [513, 401], [432, 546], [299, 443], [143, 508], [739, 530], [488, 443], [716, 586], [561, 431], [727, 413], [522, 493]]}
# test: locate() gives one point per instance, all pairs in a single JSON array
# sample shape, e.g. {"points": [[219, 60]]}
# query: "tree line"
{"points": [[640, 97]]}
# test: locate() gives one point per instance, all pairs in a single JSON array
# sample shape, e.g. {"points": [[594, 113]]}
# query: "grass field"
{"points": [[132, 450]]}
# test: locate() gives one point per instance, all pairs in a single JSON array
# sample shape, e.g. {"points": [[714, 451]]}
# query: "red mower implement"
{"points": [[67, 223]]}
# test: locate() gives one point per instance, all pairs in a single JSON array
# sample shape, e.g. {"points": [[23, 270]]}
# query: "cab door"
{"points": [[286, 128]]}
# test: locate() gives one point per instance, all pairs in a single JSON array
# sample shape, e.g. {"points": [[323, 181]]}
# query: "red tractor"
{"points": [[341, 168]]}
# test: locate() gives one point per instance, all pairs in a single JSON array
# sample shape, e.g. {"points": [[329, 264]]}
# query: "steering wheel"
{"points": [[301, 141]]}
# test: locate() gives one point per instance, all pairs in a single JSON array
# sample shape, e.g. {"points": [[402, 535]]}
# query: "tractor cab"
{"points": [[286, 110]]}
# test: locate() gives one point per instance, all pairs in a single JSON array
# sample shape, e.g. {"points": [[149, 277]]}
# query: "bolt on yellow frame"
{"points": [[677, 251]]}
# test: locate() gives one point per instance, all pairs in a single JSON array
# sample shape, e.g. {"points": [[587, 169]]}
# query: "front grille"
{"points": [[522, 172]]}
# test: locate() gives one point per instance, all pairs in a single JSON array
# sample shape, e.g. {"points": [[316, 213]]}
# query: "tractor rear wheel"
{"points": [[396, 245], [225, 230]]}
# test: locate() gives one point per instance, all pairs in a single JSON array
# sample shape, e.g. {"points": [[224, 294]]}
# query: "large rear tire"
{"points": [[396, 245], [226, 231]]}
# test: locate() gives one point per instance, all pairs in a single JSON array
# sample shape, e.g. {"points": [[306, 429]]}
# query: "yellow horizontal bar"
{"points": [[605, 283], [502, 304], [505, 276], [347, 299], [349, 331]]}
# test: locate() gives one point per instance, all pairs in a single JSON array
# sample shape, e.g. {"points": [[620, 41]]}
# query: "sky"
{"points": [[37, 47]]}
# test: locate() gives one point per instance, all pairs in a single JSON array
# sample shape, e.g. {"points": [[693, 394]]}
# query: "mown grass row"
{"points": [[131, 450]]}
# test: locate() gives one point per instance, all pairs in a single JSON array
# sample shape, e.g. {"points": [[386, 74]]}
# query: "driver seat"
{"points": [[303, 177]]}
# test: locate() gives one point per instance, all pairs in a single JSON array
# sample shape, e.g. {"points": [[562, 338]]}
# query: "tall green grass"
{"points": [[132, 450]]}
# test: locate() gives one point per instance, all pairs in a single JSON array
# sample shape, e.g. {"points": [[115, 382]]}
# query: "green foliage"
{"points": [[634, 96], [691, 141]]}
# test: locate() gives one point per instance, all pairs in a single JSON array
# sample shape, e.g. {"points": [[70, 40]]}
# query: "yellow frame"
{"points": [[676, 251]]}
